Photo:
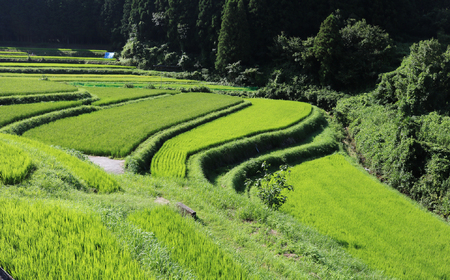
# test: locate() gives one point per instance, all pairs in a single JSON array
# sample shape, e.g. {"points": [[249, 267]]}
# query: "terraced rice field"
{"points": [[117, 95], [12, 113], [92, 225], [117, 131], [59, 65], [372, 221], [264, 115], [24, 86]]}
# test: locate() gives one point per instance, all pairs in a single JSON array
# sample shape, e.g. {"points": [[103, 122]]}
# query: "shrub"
{"points": [[271, 185]]}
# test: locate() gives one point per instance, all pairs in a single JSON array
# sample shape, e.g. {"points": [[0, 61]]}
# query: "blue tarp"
{"points": [[109, 55]]}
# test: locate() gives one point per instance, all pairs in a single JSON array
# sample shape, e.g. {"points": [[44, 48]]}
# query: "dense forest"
{"points": [[381, 68]]}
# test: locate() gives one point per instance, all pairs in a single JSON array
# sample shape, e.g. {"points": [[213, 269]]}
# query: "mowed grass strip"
{"points": [[264, 115], [91, 176], [50, 241], [189, 247], [116, 95], [67, 58], [14, 164], [23, 86], [12, 113], [119, 130], [59, 65], [386, 230]]}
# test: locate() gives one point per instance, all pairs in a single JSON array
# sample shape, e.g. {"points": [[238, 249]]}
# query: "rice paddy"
{"points": [[264, 115], [373, 222], [118, 131]]}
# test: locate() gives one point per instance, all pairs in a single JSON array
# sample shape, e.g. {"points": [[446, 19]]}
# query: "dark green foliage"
{"points": [[421, 84], [234, 43], [327, 49], [367, 51], [401, 129], [271, 185]]}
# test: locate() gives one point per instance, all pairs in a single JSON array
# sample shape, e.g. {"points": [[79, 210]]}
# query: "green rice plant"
{"points": [[14, 164], [80, 95], [119, 130], [2, 53], [91, 176], [321, 144], [139, 161], [264, 115], [188, 247], [372, 221], [20, 127], [60, 65], [51, 241], [117, 95], [208, 162], [24, 86], [12, 113]]}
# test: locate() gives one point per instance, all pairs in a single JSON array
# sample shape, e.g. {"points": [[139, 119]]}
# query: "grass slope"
{"points": [[386, 230]]}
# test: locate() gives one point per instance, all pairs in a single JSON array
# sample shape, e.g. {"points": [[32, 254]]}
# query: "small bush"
{"points": [[270, 185]]}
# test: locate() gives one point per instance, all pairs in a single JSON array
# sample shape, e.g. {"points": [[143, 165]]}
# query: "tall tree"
{"points": [[327, 46], [234, 35], [208, 28]]}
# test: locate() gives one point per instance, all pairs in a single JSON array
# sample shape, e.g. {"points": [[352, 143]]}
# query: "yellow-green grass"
{"points": [[58, 65], [189, 247], [22, 86], [93, 80], [118, 131], [375, 223], [91, 176], [14, 164], [115, 95], [264, 115], [49, 241], [51, 49], [102, 78], [12, 113], [2, 53], [36, 57]]}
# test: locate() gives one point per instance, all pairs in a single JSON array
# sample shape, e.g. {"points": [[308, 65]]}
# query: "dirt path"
{"points": [[109, 165]]}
